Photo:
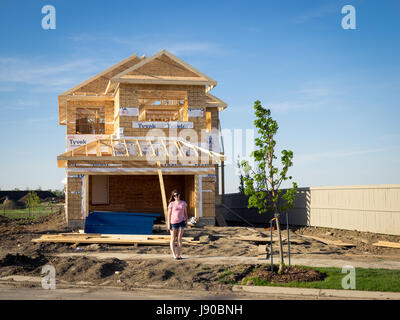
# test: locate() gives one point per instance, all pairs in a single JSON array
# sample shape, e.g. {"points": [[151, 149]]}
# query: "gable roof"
{"points": [[163, 68], [98, 83], [213, 101]]}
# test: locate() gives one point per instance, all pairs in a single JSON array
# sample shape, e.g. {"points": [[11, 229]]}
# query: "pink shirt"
{"points": [[178, 211]]}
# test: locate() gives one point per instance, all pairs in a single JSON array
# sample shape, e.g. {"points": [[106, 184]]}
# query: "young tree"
{"points": [[241, 177], [32, 200], [262, 185]]}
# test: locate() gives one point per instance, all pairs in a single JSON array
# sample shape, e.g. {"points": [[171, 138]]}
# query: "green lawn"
{"points": [[28, 213], [366, 279]]}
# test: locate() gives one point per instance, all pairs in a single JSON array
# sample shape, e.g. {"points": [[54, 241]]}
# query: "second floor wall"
{"points": [[136, 109]]}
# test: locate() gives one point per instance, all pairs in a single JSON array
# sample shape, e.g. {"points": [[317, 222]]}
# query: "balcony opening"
{"points": [[162, 105], [90, 120]]}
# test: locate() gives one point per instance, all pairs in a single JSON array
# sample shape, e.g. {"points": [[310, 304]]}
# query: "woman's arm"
{"points": [[186, 215], [169, 218]]}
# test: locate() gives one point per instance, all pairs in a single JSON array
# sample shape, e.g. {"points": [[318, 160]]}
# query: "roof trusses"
{"points": [[99, 82], [142, 152], [164, 68]]}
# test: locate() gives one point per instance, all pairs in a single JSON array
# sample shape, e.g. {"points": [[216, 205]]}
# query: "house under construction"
{"points": [[135, 132]]}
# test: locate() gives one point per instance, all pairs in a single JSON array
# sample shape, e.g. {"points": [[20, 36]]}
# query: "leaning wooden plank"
{"points": [[387, 244], [163, 196]]}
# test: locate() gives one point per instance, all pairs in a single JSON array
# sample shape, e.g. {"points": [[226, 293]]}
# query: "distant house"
{"points": [[14, 199]]}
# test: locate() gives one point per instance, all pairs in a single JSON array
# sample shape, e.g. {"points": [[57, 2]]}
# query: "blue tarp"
{"points": [[120, 222]]}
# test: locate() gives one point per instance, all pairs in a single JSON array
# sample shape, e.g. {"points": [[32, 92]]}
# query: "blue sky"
{"points": [[334, 92]]}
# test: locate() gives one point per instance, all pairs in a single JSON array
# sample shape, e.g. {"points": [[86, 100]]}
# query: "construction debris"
{"points": [[265, 239], [387, 244], [331, 242], [79, 238]]}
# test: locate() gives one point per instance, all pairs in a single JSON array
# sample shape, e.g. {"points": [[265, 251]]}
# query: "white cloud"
{"points": [[39, 73], [149, 44], [310, 97], [317, 12]]}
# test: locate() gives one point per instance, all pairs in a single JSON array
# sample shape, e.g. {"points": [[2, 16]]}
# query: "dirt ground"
{"points": [[20, 256]]}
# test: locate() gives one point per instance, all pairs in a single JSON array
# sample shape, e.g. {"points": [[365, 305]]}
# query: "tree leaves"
{"points": [[263, 184]]}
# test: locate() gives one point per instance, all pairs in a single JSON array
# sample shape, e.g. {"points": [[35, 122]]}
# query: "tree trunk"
{"points": [[278, 228]]}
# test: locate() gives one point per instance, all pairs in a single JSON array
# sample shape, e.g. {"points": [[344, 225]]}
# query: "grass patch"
{"points": [[227, 277], [366, 279], [26, 213]]}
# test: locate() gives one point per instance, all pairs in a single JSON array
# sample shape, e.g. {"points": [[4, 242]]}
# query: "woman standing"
{"points": [[177, 218]]}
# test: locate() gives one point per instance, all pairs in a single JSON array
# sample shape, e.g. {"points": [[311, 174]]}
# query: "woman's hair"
{"points": [[172, 197]]}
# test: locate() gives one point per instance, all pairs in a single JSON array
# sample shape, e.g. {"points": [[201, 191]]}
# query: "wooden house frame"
{"points": [[127, 143]]}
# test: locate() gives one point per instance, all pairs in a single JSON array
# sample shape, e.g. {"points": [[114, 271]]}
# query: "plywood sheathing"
{"points": [[142, 193], [208, 196], [129, 98], [74, 198], [73, 105], [99, 82]]}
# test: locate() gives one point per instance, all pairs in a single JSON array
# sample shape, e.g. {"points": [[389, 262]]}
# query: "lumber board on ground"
{"points": [[387, 244], [255, 239], [112, 239], [266, 239], [114, 236], [330, 242]]}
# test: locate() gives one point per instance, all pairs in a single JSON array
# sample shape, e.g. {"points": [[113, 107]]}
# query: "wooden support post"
{"points": [[112, 147], [222, 182], [98, 153], [86, 195], [139, 149], [126, 148], [196, 197], [164, 198]]}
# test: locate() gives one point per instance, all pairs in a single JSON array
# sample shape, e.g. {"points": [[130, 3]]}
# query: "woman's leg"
{"points": [[174, 234], [180, 235]]}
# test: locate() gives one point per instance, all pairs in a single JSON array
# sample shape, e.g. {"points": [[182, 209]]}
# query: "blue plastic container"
{"points": [[120, 222]]}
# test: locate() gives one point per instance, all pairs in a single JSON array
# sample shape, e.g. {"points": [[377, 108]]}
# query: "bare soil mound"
{"points": [[86, 269], [51, 222], [288, 274], [4, 219], [20, 264]]}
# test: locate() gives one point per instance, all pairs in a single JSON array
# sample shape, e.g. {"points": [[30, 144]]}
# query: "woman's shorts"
{"points": [[181, 225]]}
